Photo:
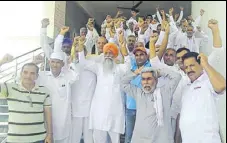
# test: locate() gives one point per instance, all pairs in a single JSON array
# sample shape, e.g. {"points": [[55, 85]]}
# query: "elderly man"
{"points": [[59, 83], [29, 108], [107, 117], [153, 121]]}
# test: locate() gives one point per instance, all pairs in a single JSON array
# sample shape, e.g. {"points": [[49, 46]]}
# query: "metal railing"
{"points": [[9, 72]]}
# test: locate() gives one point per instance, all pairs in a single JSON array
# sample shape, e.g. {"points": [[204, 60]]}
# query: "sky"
{"points": [[20, 26]]}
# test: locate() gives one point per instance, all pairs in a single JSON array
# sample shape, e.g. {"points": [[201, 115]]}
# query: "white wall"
{"points": [[215, 10]]}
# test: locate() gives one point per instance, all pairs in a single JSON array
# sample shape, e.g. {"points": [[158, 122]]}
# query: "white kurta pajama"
{"points": [[107, 115], [82, 94], [60, 88]]}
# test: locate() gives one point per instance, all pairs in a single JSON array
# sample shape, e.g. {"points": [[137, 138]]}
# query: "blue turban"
{"points": [[67, 41]]}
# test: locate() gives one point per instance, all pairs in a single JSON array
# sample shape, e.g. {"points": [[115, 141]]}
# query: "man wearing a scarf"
{"points": [[153, 122]]}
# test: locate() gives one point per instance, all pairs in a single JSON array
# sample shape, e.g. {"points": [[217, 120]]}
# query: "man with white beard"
{"points": [[153, 120], [107, 115]]}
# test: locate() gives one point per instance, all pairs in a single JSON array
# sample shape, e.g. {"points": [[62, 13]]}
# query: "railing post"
{"points": [[16, 67]]}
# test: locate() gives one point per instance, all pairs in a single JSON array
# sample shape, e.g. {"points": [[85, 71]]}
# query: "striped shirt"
{"points": [[26, 112]]}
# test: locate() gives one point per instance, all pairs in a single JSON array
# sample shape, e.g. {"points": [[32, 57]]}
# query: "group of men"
{"points": [[147, 81]]}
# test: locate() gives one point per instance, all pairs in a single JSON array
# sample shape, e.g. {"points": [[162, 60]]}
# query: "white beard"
{"points": [[149, 91], [108, 65]]}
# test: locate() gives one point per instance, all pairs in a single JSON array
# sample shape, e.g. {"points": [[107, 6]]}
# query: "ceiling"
{"points": [[99, 9]]}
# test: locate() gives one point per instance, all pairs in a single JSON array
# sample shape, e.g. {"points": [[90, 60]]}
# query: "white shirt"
{"points": [[82, 93], [60, 89], [199, 119]]}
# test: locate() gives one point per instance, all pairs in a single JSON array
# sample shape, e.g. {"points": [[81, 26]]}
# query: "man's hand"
{"points": [[119, 12], [190, 18], [176, 16], [112, 32], [38, 59], [171, 11], [157, 8], [6, 59], [153, 38], [181, 8], [90, 24], [213, 24], [76, 41], [166, 27], [203, 60], [121, 36], [202, 12], [82, 40], [162, 12], [48, 139], [64, 29], [45, 22], [138, 71]]}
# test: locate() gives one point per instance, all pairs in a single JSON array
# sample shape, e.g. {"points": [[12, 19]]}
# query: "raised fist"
{"points": [[202, 12], [64, 29], [213, 24], [6, 59], [45, 22]]}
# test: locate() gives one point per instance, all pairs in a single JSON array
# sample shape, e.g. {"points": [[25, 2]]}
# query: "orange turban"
{"points": [[112, 47]]}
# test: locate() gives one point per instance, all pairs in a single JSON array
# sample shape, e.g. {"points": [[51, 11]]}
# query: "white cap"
{"points": [[57, 55]]}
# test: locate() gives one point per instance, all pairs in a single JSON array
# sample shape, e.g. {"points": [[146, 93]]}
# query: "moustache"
{"points": [[191, 72]]}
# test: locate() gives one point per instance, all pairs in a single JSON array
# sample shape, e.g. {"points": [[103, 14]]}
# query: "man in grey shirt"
{"points": [[153, 122]]}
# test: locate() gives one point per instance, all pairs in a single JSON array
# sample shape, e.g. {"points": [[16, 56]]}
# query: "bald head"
{"points": [[100, 44]]}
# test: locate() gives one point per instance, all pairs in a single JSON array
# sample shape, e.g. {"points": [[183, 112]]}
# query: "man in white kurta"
{"points": [[82, 94], [59, 83], [107, 115]]}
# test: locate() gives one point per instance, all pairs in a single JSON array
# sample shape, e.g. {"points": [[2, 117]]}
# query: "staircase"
{"points": [[9, 73]]}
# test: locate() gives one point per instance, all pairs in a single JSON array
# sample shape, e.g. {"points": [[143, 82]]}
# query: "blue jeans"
{"points": [[130, 123]]}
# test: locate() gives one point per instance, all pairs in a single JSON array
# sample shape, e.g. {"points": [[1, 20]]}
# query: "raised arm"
{"points": [[44, 43], [126, 86], [181, 14], [217, 80], [158, 15], [174, 79], [217, 51], [164, 42], [58, 41], [6, 59]]}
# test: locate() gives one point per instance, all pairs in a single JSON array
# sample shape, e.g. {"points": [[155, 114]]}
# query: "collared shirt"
{"points": [[146, 128], [60, 89], [26, 112], [199, 119]]}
